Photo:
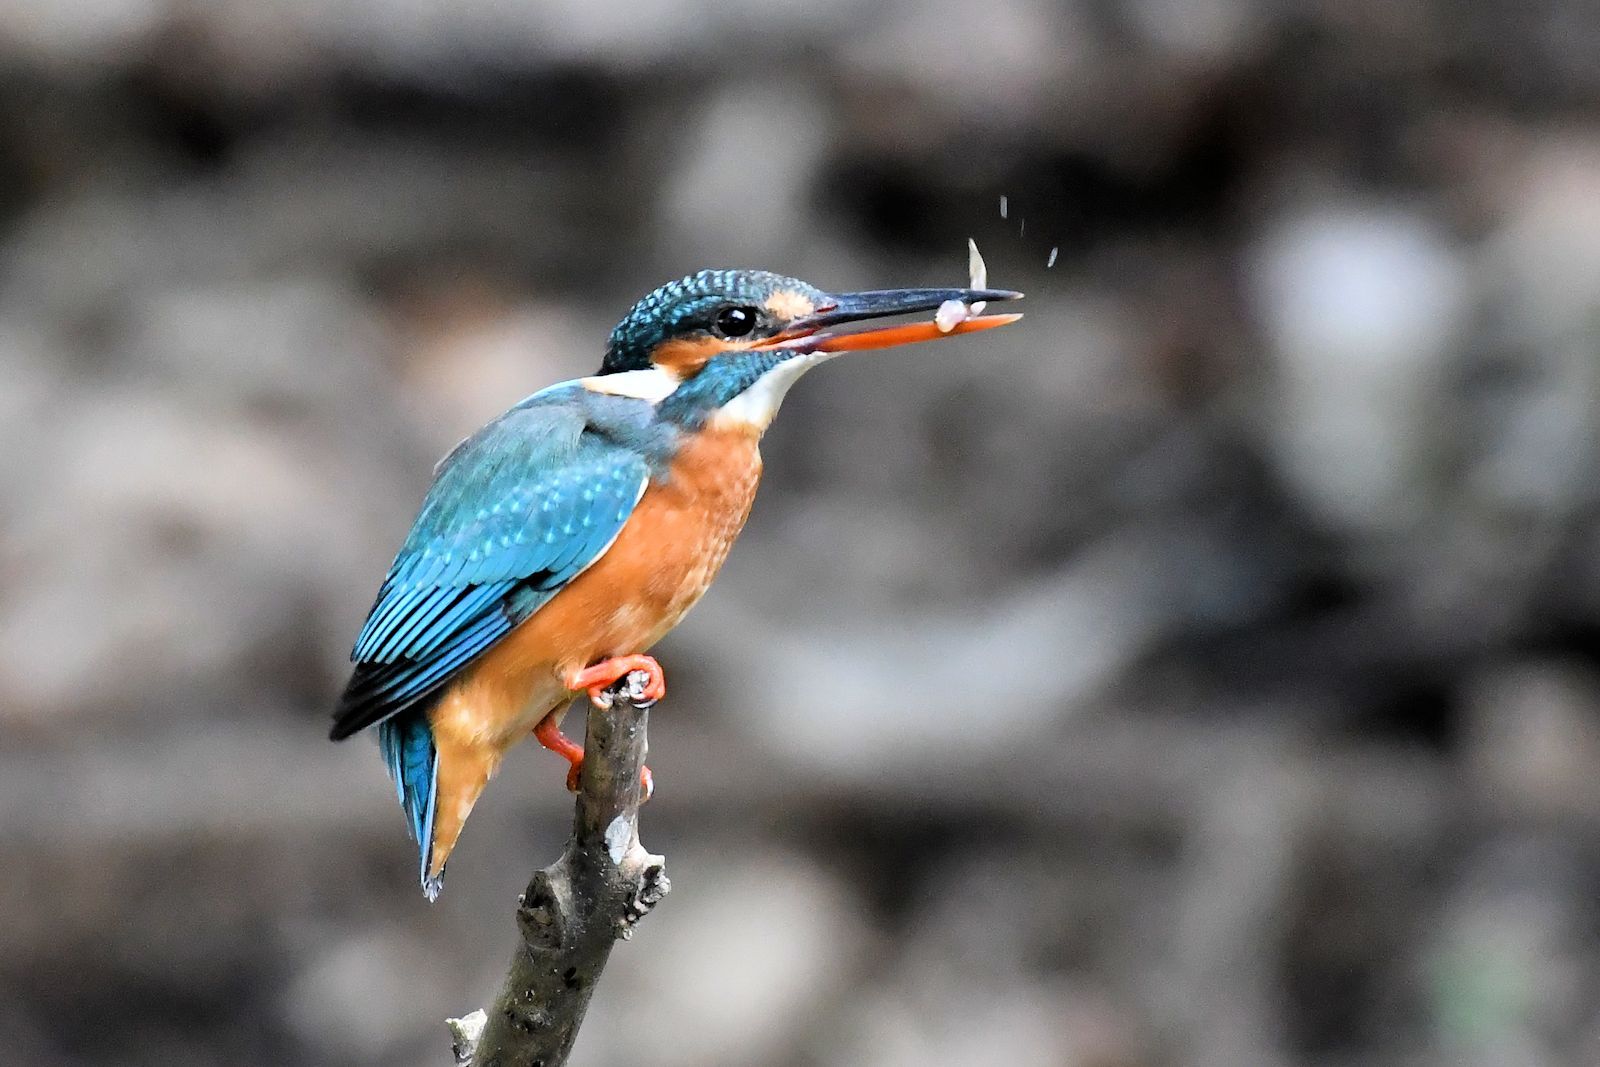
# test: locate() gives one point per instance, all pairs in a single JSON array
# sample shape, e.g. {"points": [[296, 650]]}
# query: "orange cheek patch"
{"points": [[787, 305], [685, 356]]}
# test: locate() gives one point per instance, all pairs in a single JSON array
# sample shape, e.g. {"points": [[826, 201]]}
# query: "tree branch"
{"points": [[574, 910]]}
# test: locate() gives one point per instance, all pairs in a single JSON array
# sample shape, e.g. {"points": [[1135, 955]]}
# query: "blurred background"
{"points": [[1200, 673]]}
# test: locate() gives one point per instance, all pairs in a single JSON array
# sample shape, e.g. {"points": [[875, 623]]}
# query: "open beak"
{"points": [[807, 334]]}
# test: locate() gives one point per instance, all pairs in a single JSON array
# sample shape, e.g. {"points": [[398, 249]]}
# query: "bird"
{"points": [[562, 540]]}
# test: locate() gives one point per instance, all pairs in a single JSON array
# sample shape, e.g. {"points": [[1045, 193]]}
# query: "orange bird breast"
{"points": [[661, 563]]}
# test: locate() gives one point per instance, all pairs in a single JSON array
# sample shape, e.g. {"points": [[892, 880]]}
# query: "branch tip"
{"points": [[577, 908], [465, 1033]]}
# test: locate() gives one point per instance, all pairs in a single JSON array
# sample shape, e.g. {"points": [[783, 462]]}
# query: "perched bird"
{"points": [[565, 538]]}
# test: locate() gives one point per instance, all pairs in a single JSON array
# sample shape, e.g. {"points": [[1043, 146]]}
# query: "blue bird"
{"points": [[565, 538]]}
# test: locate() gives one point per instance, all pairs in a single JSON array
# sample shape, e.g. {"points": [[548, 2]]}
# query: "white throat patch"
{"points": [[758, 405], [754, 408]]}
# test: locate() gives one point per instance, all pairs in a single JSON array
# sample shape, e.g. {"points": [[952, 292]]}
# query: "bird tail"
{"points": [[407, 743]]}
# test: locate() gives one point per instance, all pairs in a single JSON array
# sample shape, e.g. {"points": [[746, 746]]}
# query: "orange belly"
{"points": [[661, 563]]}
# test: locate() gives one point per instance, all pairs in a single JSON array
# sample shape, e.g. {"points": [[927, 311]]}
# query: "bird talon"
{"points": [[643, 688], [601, 681]]}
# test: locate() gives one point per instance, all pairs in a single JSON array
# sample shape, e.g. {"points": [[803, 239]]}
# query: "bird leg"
{"points": [[548, 733], [598, 680]]}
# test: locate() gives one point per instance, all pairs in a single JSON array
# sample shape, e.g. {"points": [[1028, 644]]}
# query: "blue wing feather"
{"points": [[516, 512]]}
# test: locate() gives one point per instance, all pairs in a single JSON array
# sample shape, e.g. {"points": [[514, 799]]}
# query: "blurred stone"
{"points": [[1546, 251], [170, 547], [1506, 975], [905, 693], [1361, 305], [982, 975], [999, 68], [305, 342], [1537, 437], [718, 214], [755, 944], [1210, 31], [1027, 1023], [1533, 740], [31, 393], [362, 992], [470, 355]]}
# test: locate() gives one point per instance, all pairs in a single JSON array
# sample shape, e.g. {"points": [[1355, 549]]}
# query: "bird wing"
{"points": [[516, 511]]}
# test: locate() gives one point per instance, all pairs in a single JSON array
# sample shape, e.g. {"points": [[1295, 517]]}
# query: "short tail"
{"points": [[407, 743]]}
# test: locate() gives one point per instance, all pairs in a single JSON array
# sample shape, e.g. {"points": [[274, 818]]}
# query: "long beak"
{"points": [[804, 333]]}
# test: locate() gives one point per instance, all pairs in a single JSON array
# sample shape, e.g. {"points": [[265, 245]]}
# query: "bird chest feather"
{"points": [[682, 529], [661, 563]]}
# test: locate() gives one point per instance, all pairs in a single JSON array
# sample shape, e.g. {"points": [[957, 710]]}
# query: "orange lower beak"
{"points": [[807, 334], [885, 337], [907, 334]]}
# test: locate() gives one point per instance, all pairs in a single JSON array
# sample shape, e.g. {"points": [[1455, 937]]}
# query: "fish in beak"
{"points": [[813, 334]]}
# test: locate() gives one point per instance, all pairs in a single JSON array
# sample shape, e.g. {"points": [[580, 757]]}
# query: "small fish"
{"points": [[953, 312], [1052, 260], [1002, 207], [977, 273]]}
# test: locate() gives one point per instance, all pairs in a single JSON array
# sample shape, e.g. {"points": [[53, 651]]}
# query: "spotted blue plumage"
{"points": [[516, 512], [688, 305]]}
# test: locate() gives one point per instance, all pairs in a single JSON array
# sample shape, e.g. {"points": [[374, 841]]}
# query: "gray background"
{"points": [[1201, 672]]}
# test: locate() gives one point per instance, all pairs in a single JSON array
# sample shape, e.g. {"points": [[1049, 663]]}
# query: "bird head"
{"points": [[729, 343]]}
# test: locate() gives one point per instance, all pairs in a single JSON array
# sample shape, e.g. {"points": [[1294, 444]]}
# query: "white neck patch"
{"points": [[654, 384], [758, 405]]}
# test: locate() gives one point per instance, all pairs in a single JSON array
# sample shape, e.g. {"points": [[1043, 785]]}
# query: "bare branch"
{"points": [[574, 910]]}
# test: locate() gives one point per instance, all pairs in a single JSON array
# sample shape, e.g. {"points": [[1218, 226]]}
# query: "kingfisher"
{"points": [[561, 541]]}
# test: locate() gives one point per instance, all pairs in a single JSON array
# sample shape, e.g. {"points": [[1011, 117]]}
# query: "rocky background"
{"points": [[1200, 673]]}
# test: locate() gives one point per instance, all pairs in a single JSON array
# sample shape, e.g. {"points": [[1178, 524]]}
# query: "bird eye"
{"points": [[736, 322]]}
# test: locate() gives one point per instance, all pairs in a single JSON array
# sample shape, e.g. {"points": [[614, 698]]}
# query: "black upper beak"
{"points": [[807, 335], [880, 303]]}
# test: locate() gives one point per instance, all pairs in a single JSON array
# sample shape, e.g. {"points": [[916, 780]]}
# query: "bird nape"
{"points": [[565, 538]]}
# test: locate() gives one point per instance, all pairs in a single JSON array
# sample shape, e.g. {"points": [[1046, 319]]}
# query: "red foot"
{"points": [[608, 672], [548, 733], [597, 680]]}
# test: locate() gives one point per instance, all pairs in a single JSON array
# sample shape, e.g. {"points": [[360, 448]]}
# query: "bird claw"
{"points": [[640, 687], [638, 679]]}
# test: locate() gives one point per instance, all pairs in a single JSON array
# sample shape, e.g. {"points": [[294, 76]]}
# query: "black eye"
{"points": [[735, 322]]}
